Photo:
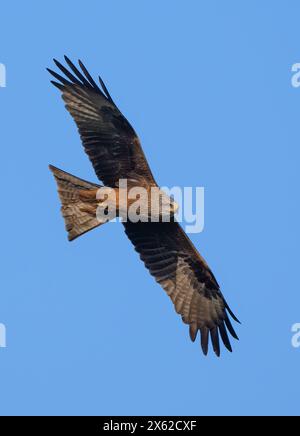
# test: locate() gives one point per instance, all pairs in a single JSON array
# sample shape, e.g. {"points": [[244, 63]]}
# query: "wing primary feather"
{"points": [[59, 77], [58, 85], [230, 328], [67, 72], [204, 340], [88, 76], [215, 340], [105, 90], [231, 313], [78, 73], [224, 336], [193, 331]]}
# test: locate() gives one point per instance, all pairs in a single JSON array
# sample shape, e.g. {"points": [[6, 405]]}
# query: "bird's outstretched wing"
{"points": [[115, 152], [109, 140], [176, 265]]}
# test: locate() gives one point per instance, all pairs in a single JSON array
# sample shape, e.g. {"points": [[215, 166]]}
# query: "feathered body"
{"points": [[115, 152]]}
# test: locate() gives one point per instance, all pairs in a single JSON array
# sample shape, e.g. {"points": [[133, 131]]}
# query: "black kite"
{"points": [[116, 153]]}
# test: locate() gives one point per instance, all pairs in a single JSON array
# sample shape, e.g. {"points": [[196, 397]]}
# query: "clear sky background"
{"points": [[207, 85]]}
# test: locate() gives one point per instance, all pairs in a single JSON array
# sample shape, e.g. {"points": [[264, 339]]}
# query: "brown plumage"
{"points": [[115, 152]]}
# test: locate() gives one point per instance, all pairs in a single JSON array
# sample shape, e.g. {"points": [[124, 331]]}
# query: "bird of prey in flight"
{"points": [[115, 152]]}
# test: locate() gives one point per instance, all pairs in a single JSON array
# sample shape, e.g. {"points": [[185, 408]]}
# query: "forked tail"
{"points": [[79, 205]]}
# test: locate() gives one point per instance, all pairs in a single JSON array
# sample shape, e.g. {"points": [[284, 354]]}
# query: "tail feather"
{"points": [[78, 204]]}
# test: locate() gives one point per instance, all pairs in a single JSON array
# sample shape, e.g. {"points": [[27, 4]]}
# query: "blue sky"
{"points": [[207, 85]]}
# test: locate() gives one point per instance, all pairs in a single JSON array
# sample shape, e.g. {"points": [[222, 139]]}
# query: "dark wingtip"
{"points": [[66, 58], [105, 90], [204, 339], [58, 77], [88, 76], [230, 328], [193, 332], [231, 313], [78, 78], [233, 316], [214, 334], [225, 337], [58, 85]]}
